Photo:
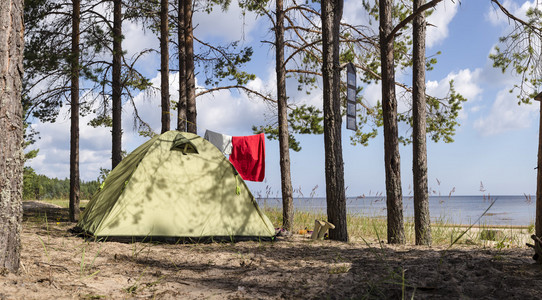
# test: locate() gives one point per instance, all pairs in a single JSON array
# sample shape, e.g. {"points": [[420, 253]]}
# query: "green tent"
{"points": [[175, 186]]}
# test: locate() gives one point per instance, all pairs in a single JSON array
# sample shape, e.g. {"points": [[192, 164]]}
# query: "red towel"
{"points": [[248, 156]]}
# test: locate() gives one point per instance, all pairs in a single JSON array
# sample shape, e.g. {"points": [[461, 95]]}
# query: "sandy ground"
{"points": [[58, 265]]}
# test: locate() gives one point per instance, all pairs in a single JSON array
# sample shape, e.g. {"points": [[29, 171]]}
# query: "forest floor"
{"points": [[59, 265]]}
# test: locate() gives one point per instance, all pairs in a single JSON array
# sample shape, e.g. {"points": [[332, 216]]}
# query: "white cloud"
{"points": [[477, 108], [372, 93], [148, 106], [465, 83], [506, 115], [497, 18], [231, 113], [230, 25], [440, 19], [494, 77], [53, 158], [355, 14], [226, 110], [138, 39]]}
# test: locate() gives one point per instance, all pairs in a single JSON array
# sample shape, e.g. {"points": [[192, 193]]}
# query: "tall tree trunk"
{"points": [[164, 65], [284, 149], [11, 135], [422, 222], [394, 197], [74, 90], [335, 193], [116, 84], [181, 41], [538, 217], [191, 111]]}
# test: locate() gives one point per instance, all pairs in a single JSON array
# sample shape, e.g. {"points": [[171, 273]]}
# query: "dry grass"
{"points": [[374, 229]]}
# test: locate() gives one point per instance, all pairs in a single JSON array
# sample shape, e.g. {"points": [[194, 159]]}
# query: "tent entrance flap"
{"points": [[184, 145]]}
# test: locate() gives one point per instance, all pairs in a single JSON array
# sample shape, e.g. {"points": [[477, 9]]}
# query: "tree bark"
{"points": [[164, 65], [74, 132], [181, 41], [284, 149], [335, 193], [394, 197], [116, 137], [11, 135], [191, 111], [422, 221], [538, 218]]}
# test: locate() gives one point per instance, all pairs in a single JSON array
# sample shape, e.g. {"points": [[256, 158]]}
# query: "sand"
{"points": [[58, 265]]}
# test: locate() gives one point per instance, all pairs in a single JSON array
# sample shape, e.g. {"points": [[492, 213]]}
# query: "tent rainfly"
{"points": [[176, 186]]}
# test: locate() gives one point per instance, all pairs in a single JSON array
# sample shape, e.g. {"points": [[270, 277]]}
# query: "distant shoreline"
{"points": [[508, 211], [482, 226], [405, 196]]}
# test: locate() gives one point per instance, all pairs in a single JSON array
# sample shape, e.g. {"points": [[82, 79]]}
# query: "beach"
{"points": [[59, 265]]}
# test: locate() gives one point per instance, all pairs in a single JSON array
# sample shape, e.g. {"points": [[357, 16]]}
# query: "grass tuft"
{"points": [[374, 229]]}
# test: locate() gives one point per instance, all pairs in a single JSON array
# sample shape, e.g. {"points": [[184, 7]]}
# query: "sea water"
{"points": [[505, 210]]}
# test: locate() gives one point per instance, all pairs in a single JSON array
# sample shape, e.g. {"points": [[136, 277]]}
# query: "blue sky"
{"points": [[496, 144]]}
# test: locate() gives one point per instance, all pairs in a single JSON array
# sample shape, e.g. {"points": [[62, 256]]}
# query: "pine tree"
{"points": [[116, 86], [282, 101], [422, 221], [11, 135], [164, 64], [334, 167], [74, 210]]}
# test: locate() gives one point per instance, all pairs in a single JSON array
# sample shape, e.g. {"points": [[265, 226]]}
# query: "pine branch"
{"points": [[516, 19], [300, 49], [411, 17], [303, 72], [239, 87]]}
